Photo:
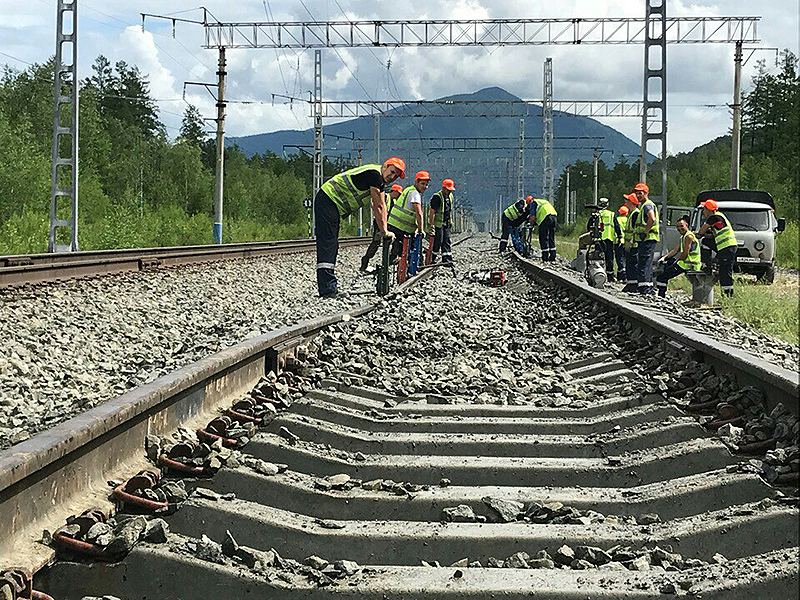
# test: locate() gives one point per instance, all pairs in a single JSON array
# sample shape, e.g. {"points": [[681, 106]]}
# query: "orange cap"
{"points": [[641, 187], [623, 210], [422, 175], [631, 198], [710, 204], [529, 199], [448, 184], [397, 188], [399, 163]]}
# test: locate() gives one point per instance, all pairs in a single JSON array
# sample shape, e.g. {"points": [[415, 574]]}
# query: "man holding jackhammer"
{"points": [[405, 214], [440, 221], [394, 194], [514, 216], [341, 195]]}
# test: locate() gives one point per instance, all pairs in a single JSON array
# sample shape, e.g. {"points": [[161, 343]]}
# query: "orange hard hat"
{"points": [[710, 204], [631, 198], [641, 187], [448, 184], [529, 199], [399, 163], [623, 210], [422, 175], [397, 188]]}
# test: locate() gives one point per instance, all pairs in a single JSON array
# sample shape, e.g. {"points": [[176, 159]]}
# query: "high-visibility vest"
{"points": [[692, 260], [630, 228], [622, 220], [344, 194], [516, 210], [608, 225], [724, 237], [543, 208], [402, 214], [640, 226], [438, 215]]}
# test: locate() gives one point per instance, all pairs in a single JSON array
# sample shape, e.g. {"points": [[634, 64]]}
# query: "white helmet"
{"points": [[602, 202]]}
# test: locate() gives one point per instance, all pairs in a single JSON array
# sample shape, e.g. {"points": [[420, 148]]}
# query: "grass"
{"points": [[769, 309], [788, 252]]}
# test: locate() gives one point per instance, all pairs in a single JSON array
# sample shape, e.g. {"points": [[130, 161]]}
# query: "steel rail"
{"points": [[20, 269], [777, 383], [63, 470]]}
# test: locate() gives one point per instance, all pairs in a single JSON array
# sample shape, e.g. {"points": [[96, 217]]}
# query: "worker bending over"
{"points": [[440, 219], [719, 236], [393, 195], [647, 236], [682, 258], [514, 216], [341, 195], [607, 237], [620, 222], [631, 245], [545, 217], [405, 214]]}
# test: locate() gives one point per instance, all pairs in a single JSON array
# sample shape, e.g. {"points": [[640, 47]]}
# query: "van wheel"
{"points": [[767, 275]]}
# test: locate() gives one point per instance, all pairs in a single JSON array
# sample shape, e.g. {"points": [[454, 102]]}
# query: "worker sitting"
{"points": [[682, 258]]}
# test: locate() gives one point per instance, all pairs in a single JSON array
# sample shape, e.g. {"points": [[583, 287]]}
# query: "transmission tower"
{"points": [[547, 131]]}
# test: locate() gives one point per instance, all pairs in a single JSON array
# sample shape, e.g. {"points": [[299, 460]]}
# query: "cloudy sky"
{"points": [[697, 74]]}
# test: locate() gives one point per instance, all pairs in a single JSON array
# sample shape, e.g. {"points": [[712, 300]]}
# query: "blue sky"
{"points": [[698, 74]]}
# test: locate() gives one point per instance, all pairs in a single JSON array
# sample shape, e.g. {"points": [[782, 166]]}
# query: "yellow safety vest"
{"points": [[653, 235], [724, 237], [608, 225], [344, 194], [630, 228], [543, 208], [402, 214], [623, 223], [692, 260]]}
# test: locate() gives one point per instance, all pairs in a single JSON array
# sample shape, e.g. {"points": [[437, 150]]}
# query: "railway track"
{"points": [[455, 441], [22, 269]]}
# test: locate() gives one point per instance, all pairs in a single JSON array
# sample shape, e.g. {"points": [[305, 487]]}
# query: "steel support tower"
{"points": [[219, 181], [547, 131], [655, 98], [317, 132], [521, 162], [64, 174]]}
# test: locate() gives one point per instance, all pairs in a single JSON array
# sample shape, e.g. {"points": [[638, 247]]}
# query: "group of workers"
{"points": [[394, 221], [631, 235]]}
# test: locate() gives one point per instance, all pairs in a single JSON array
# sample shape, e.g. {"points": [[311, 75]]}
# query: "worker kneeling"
{"points": [[682, 258], [405, 214], [342, 195]]}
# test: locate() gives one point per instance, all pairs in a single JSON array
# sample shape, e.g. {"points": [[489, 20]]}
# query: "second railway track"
{"points": [[458, 441]]}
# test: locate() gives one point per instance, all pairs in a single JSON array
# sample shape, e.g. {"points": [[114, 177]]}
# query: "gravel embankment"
{"points": [[70, 346]]}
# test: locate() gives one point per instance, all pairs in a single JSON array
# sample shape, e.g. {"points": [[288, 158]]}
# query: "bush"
{"points": [[788, 250]]}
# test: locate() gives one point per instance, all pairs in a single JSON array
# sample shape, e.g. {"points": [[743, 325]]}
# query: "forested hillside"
{"points": [[137, 188], [770, 152]]}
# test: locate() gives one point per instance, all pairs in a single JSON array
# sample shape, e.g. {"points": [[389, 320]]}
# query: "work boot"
{"points": [[611, 278]]}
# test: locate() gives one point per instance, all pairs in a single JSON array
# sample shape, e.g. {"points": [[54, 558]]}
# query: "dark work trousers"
{"points": [[608, 253], [326, 230], [726, 259], [373, 246], [671, 269], [632, 270], [644, 264], [447, 251], [547, 238], [619, 250], [397, 245], [507, 225]]}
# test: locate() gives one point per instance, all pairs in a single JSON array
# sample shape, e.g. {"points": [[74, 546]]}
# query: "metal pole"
{"points": [[547, 132], [736, 133], [595, 156], [566, 201], [62, 67], [520, 174], [360, 208], [377, 131], [317, 128], [220, 171]]}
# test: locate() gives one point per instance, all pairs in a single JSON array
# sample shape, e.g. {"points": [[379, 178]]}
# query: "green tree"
{"points": [[192, 127]]}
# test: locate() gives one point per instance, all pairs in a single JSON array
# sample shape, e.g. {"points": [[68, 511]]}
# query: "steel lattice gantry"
{"points": [[474, 32], [547, 131]]}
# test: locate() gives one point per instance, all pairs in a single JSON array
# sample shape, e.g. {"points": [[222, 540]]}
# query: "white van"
{"points": [[752, 216]]}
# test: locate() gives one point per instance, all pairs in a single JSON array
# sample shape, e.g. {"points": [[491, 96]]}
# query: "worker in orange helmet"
{"points": [[630, 245], [342, 195], [394, 194], [405, 215], [620, 222], [647, 236], [440, 219]]}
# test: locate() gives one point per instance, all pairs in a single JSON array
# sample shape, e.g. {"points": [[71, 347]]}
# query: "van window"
{"points": [[748, 220]]}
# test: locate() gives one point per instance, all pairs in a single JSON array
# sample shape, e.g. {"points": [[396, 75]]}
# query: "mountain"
{"points": [[480, 175]]}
